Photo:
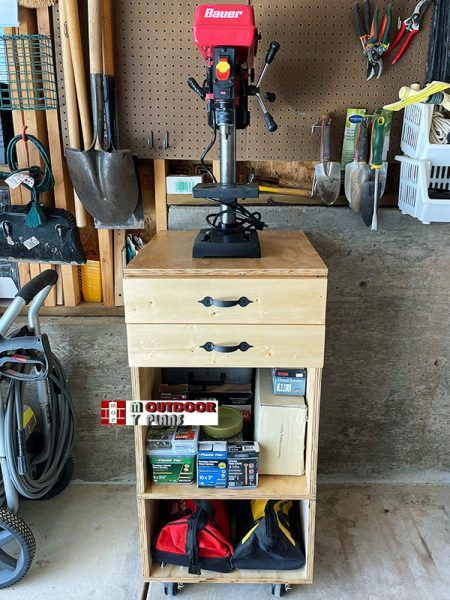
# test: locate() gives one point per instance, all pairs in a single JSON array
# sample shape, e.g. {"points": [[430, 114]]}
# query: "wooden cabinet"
{"points": [[284, 323]]}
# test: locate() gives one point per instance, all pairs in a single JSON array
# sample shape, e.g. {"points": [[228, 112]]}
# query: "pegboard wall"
{"points": [[320, 68]]}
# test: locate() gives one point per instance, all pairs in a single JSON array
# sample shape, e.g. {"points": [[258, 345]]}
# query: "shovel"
{"points": [[361, 174], [374, 190], [327, 174], [105, 182]]}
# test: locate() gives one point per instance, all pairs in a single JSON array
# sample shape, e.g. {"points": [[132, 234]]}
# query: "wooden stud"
{"points": [[51, 299], [63, 190], [119, 245], [16, 194], [105, 243], [34, 120], [160, 170]]}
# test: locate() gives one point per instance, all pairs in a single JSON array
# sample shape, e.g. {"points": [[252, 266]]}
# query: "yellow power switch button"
{"points": [[223, 69]]}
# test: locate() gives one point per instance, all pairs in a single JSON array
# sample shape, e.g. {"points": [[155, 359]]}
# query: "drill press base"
{"points": [[215, 244]]}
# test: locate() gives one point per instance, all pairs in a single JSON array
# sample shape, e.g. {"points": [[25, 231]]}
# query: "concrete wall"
{"points": [[386, 382]]}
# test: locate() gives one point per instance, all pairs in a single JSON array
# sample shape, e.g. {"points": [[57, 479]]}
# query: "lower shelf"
{"points": [[149, 511], [282, 487], [171, 573]]}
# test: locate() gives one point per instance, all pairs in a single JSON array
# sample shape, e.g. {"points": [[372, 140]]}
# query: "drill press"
{"points": [[227, 38]]}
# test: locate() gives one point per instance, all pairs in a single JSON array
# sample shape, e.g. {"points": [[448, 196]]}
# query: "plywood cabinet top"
{"points": [[284, 254]]}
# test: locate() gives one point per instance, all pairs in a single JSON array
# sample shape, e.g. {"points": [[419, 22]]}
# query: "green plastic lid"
{"points": [[230, 424]]}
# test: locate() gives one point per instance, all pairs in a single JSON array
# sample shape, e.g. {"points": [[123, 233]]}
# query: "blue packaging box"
{"points": [[212, 465], [289, 382]]}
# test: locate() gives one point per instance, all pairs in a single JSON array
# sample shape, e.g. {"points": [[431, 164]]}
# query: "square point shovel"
{"points": [[105, 182], [327, 174]]}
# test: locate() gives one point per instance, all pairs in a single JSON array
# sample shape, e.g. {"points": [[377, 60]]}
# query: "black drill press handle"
{"points": [[196, 87], [270, 122], [271, 52]]}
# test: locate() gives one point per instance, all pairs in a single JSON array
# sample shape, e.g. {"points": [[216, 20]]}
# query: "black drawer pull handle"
{"points": [[208, 301], [209, 347]]}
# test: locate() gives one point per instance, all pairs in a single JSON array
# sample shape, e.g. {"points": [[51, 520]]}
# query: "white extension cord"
{"points": [[440, 129]]}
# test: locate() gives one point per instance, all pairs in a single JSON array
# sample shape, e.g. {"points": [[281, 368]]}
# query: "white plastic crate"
{"points": [[416, 176], [416, 135]]}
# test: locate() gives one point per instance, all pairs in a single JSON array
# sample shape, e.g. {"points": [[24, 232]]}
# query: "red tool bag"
{"points": [[197, 536]]}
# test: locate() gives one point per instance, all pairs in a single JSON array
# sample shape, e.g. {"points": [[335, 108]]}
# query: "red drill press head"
{"points": [[231, 25]]}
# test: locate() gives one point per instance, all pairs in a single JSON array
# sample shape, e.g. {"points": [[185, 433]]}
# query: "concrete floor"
{"points": [[373, 542]]}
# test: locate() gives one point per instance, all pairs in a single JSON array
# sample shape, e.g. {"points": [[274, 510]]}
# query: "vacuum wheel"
{"points": [[170, 589], [17, 548], [279, 589]]}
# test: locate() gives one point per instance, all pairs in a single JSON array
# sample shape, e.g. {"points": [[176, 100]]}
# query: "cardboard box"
{"points": [[280, 427], [243, 461], [182, 184], [171, 453], [182, 438], [212, 465], [289, 382], [172, 468]]}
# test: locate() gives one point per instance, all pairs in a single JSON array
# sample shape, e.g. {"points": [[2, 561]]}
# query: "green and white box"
{"points": [[182, 184]]}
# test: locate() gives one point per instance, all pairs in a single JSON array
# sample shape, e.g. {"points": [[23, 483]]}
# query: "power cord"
{"points": [[440, 129], [245, 220], [34, 477]]}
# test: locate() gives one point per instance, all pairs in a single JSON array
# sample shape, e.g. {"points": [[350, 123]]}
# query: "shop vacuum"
{"points": [[227, 38]]}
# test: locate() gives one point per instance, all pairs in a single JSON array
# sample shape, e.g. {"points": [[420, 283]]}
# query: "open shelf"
{"points": [[172, 573], [152, 571], [282, 487]]}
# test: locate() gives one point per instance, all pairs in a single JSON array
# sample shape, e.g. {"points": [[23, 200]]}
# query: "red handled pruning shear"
{"points": [[410, 26]]}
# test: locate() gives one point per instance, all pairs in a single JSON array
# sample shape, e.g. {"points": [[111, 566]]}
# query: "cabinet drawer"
{"points": [[172, 345], [283, 301]]}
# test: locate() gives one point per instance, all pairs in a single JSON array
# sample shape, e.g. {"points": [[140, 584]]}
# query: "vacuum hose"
{"points": [[35, 475]]}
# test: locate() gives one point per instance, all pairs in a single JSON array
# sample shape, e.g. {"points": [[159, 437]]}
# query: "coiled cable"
{"points": [[440, 129], [36, 479]]}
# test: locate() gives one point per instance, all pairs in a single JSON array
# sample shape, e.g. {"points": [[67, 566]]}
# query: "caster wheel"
{"points": [[279, 590], [17, 548], [170, 589]]}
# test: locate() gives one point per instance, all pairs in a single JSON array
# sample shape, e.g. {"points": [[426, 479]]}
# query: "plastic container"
{"points": [[231, 422], [415, 141], [91, 281], [416, 177]]}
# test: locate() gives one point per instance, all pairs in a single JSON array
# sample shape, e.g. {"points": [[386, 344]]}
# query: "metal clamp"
{"points": [[166, 140], [242, 301], [150, 140], [210, 347]]}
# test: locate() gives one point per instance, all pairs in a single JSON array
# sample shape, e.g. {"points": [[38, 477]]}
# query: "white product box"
{"points": [[182, 184], [280, 427]]}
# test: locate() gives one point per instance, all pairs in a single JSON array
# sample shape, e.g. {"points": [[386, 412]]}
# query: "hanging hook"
{"points": [[24, 133]]}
